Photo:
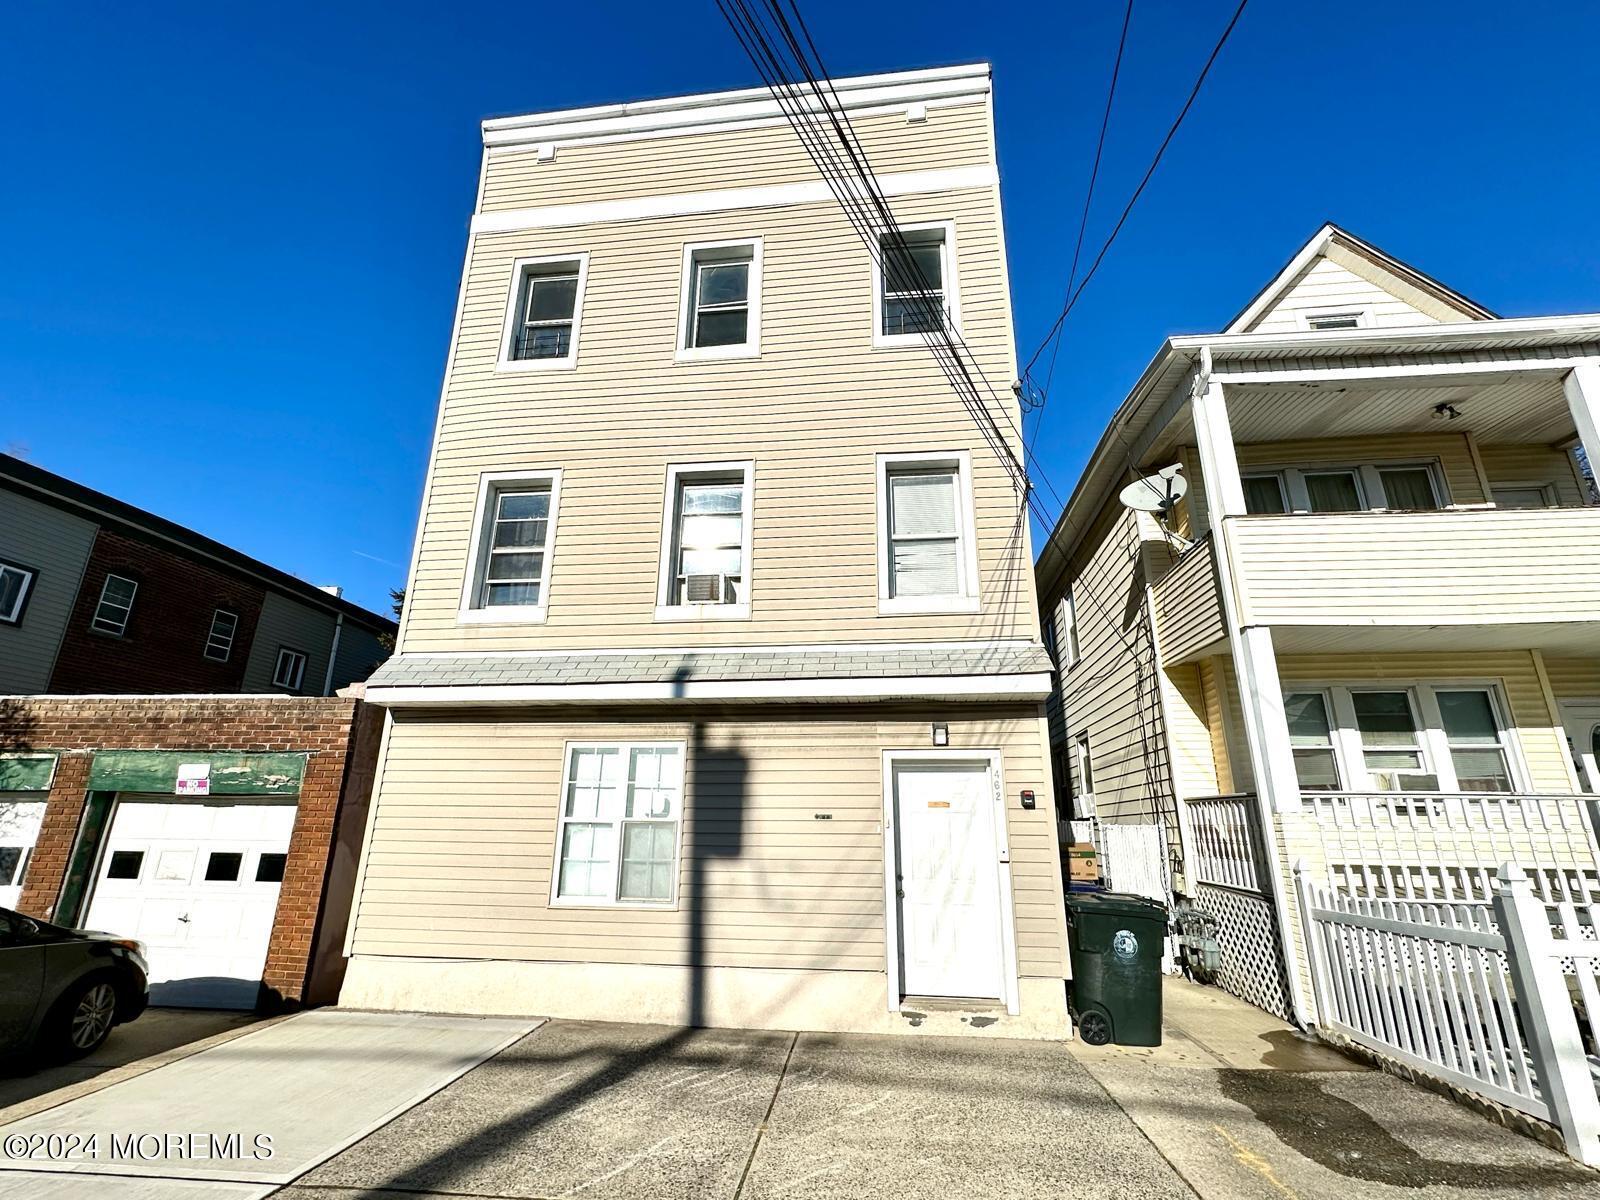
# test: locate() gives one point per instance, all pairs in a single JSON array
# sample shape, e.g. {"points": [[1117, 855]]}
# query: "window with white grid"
{"points": [[617, 842]]}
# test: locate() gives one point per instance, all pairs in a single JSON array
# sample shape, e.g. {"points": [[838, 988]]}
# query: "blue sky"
{"points": [[232, 233]]}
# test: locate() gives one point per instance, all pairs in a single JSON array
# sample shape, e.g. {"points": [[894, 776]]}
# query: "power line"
{"points": [[1088, 198], [1199, 82]]}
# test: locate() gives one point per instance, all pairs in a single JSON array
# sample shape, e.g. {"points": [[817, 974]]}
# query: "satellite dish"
{"points": [[1156, 493]]}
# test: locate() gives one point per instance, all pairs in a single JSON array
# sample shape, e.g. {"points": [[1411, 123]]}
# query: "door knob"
{"points": [[184, 919]]}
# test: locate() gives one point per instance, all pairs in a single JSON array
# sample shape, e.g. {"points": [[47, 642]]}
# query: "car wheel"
{"points": [[87, 1014]]}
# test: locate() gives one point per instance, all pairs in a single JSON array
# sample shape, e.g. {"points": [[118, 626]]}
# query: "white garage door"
{"points": [[198, 884], [19, 829]]}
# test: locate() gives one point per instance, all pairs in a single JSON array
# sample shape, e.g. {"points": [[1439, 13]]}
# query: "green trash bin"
{"points": [[1116, 967]]}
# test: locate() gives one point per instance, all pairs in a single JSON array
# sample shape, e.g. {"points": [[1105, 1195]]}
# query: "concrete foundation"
{"points": [[717, 997]]}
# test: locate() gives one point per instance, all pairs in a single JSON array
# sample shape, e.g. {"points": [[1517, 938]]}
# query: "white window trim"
{"points": [[1544, 488], [227, 649], [127, 613], [952, 289], [966, 599], [1083, 762], [300, 674], [1071, 652], [1431, 739], [30, 576], [519, 271], [1369, 483], [1340, 770], [469, 612], [1363, 317], [995, 762], [751, 346], [665, 609], [626, 748]]}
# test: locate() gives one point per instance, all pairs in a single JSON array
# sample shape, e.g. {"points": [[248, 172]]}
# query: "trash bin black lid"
{"points": [[1120, 904]]}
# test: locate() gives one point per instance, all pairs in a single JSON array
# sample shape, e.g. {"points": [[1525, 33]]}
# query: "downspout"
{"points": [[1267, 818], [333, 656]]}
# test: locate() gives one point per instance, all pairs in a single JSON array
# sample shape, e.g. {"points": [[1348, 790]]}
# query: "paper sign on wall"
{"points": [[194, 779]]}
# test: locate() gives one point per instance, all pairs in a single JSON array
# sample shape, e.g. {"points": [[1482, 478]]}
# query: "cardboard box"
{"points": [[1083, 866]]}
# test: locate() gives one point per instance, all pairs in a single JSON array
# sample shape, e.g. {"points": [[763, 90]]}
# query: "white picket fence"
{"points": [[1501, 999]]}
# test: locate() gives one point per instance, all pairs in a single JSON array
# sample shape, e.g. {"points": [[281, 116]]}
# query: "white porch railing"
{"points": [[1222, 845], [1447, 847], [1502, 1001]]}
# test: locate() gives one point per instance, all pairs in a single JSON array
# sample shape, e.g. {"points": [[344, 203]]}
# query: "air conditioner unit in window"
{"points": [[708, 589]]}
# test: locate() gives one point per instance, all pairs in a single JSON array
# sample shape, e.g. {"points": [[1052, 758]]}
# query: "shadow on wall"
{"points": [[713, 807], [17, 725]]}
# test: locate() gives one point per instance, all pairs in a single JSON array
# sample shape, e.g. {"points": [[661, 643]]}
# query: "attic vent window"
{"points": [[1338, 320]]}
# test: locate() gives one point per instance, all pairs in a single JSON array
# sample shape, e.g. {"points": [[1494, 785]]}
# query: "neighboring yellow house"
{"points": [[718, 696], [1374, 619]]}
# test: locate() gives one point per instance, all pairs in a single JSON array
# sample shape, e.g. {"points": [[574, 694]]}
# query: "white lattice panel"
{"points": [[1252, 960]]}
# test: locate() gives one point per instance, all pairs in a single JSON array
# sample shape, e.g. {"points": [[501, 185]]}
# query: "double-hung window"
{"points": [[16, 583], [1083, 795], [705, 542], [115, 606], [508, 567], [1523, 496], [1397, 487], [1475, 739], [543, 314], [721, 315], [916, 292], [927, 560], [1421, 737], [1311, 741], [290, 670], [617, 842], [1069, 628], [219, 641]]}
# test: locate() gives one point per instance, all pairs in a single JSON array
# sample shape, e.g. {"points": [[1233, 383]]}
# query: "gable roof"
{"points": [[59, 492], [1393, 275]]}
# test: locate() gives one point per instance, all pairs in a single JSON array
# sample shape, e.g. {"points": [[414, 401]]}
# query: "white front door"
{"points": [[19, 830], [198, 884], [1583, 736], [948, 880]]}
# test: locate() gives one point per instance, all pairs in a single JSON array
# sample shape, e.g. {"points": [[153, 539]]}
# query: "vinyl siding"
{"points": [[1341, 279], [359, 654], [1573, 678], [1186, 699], [286, 622], [1112, 694], [1534, 465], [462, 847], [812, 412], [56, 545], [1189, 605], [1418, 568], [952, 136]]}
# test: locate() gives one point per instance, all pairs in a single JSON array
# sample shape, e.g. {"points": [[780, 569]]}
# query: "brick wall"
{"points": [[320, 727], [163, 649]]}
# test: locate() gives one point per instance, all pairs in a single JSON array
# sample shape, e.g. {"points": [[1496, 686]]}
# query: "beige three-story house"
{"points": [[718, 694], [1366, 640]]}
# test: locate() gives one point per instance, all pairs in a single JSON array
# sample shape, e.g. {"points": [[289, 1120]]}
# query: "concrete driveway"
{"points": [[612, 1111]]}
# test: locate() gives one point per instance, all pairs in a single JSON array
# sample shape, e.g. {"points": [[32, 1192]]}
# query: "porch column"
{"points": [[1582, 386], [1260, 693]]}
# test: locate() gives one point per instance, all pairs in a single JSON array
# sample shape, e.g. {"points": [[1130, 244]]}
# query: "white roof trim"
{"points": [[636, 651], [1318, 245], [716, 108], [1442, 335], [1035, 686], [643, 208]]}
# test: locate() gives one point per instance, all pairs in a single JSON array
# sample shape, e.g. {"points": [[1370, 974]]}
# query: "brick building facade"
{"points": [[336, 737], [162, 649]]}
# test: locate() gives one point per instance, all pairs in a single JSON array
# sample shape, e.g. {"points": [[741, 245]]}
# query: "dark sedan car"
{"points": [[61, 990]]}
